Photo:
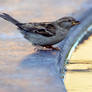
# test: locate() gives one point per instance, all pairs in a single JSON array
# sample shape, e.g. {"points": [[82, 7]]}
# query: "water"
{"points": [[78, 77], [17, 54], [79, 70]]}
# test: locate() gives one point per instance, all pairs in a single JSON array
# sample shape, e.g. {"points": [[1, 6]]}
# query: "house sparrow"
{"points": [[44, 34]]}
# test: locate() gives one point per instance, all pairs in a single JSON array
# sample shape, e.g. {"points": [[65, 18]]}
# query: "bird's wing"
{"points": [[45, 29]]}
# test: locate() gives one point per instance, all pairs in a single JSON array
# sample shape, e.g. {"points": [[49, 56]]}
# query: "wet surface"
{"points": [[21, 68], [79, 70]]}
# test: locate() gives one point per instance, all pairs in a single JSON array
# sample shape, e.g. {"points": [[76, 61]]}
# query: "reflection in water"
{"points": [[79, 70]]}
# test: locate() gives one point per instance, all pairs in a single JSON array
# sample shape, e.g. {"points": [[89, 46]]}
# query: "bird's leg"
{"points": [[51, 47]]}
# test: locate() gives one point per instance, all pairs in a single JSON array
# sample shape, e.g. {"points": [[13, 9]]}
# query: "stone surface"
{"points": [[24, 70]]}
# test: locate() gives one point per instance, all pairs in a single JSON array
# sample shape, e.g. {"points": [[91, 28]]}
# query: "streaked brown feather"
{"points": [[45, 29]]}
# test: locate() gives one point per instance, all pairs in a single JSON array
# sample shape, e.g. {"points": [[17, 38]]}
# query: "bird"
{"points": [[45, 34]]}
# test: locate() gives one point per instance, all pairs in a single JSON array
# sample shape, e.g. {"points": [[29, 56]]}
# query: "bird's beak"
{"points": [[75, 23]]}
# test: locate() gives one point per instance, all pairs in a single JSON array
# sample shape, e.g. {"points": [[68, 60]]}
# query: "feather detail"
{"points": [[44, 29]]}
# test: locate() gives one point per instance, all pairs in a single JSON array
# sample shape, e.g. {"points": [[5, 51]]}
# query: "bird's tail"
{"points": [[9, 18]]}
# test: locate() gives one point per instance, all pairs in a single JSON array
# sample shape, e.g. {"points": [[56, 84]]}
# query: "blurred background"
{"points": [[12, 44]]}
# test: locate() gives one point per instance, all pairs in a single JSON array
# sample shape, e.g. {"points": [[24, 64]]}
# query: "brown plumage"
{"points": [[44, 33]]}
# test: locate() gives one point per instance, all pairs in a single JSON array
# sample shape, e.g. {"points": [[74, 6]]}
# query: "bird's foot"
{"points": [[46, 48], [52, 48]]}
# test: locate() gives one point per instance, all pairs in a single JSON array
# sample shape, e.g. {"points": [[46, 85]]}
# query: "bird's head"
{"points": [[67, 22]]}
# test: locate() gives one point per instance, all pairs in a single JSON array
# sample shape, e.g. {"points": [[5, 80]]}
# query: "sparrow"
{"points": [[44, 34]]}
